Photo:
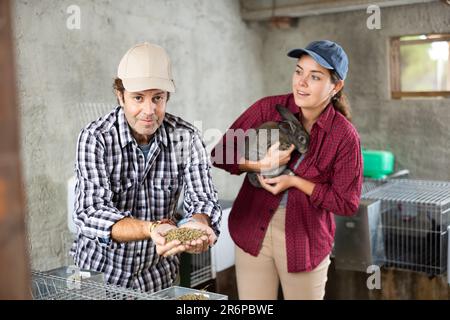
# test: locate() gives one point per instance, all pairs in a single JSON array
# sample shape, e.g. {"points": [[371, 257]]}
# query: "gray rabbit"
{"points": [[288, 131]]}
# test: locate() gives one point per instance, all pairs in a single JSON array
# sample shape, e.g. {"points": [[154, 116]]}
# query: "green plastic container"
{"points": [[377, 163]]}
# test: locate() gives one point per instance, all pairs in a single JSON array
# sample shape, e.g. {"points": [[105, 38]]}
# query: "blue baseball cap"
{"points": [[327, 53]]}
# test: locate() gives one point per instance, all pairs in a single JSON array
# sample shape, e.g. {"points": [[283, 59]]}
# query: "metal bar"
{"points": [[254, 10]]}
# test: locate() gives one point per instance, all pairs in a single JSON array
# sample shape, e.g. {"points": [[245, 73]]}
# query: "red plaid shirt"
{"points": [[333, 163]]}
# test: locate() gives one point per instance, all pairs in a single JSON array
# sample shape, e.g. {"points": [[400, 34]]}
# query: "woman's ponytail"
{"points": [[339, 100]]}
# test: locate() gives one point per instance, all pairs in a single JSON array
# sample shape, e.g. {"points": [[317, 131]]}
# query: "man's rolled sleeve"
{"points": [[200, 192], [94, 212], [342, 195]]}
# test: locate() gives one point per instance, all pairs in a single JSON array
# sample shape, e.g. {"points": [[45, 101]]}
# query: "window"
{"points": [[420, 66]]}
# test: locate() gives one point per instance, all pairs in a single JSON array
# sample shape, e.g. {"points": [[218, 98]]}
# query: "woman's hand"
{"points": [[275, 157], [283, 182], [278, 184]]}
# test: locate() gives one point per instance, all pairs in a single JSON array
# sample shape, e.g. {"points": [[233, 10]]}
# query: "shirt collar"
{"points": [[325, 119], [124, 129], [161, 133], [125, 132]]}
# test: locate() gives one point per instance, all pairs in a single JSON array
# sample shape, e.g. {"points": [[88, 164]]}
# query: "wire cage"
{"points": [[414, 222], [50, 287], [369, 185], [201, 268], [359, 238], [372, 183]]}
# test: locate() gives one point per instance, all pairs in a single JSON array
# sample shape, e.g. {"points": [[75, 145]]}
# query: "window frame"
{"points": [[395, 73]]}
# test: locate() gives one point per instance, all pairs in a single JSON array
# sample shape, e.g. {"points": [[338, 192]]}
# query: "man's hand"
{"points": [[200, 245], [275, 157], [163, 248], [278, 184]]}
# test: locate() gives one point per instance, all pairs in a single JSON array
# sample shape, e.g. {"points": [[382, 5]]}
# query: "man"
{"points": [[131, 166]]}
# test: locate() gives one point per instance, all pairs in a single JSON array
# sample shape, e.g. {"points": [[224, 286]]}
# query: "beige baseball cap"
{"points": [[146, 66]]}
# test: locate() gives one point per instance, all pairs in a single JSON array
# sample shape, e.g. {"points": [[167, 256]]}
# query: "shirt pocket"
{"points": [[123, 190], [121, 185], [164, 192], [165, 188]]}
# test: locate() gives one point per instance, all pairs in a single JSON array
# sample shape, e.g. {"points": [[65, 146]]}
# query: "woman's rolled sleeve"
{"points": [[342, 195]]}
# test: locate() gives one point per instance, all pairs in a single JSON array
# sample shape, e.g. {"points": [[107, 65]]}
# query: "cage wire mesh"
{"points": [[414, 222], [201, 268], [50, 287], [87, 112], [371, 183]]}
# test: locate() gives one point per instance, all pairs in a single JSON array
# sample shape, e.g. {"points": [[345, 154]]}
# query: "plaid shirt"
{"points": [[333, 162], [115, 181]]}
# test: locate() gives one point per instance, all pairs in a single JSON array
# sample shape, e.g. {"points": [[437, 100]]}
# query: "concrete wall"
{"points": [[416, 131], [65, 77]]}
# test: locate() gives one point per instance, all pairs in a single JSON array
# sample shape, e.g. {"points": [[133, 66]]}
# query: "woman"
{"points": [[284, 231]]}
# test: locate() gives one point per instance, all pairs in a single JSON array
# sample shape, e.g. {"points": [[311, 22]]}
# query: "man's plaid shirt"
{"points": [[115, 181]]}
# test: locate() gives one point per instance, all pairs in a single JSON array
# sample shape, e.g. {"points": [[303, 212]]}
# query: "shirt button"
{"points": [[262, 228]]}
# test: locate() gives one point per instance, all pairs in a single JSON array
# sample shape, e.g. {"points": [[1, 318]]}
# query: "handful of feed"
{"points": [[184, 235], [192, 296]]}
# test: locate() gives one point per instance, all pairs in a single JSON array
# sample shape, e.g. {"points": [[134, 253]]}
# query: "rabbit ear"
{"points": [[286, 114], [292, 126]]}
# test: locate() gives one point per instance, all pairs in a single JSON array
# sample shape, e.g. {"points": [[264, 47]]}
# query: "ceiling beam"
{"points": [[254, 10]]}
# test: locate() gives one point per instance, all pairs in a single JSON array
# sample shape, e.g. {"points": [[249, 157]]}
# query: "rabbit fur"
{"points": [[288, 131]]}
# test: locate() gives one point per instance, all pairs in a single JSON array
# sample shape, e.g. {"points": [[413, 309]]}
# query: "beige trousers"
{"points": [[258, 277]]}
